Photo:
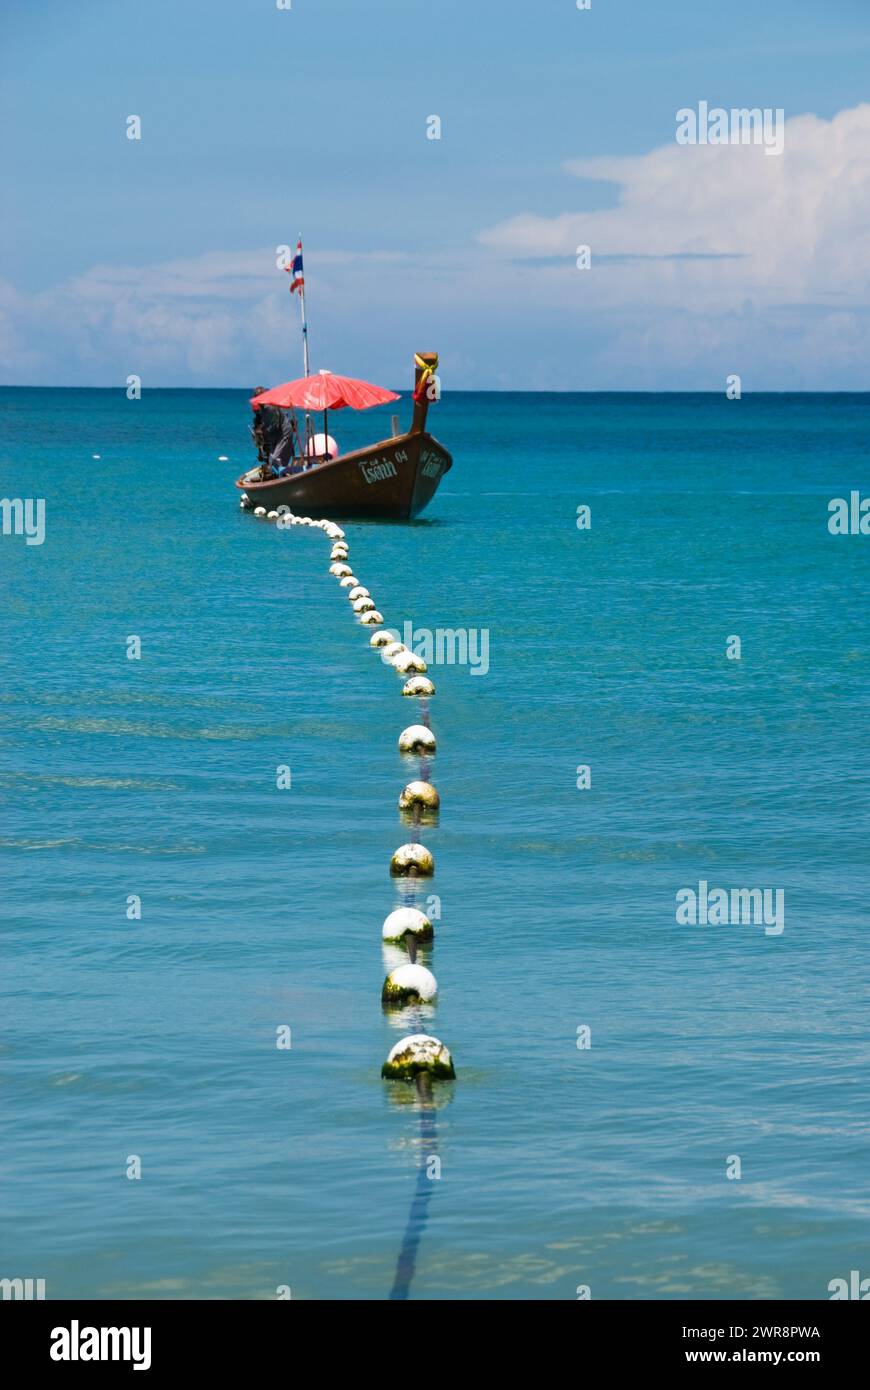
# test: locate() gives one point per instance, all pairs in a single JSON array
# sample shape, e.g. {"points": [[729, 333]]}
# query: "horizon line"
{"points": [[497, 391]]}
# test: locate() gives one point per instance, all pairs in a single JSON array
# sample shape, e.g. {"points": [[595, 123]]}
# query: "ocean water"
{"points": [[561, 1166]]}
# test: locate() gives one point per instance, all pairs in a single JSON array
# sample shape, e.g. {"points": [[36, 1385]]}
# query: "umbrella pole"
{"points": [[325, 433]]}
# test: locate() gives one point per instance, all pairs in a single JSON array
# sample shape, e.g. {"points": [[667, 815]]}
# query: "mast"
{"points": [[305, 361], [304, 329]]}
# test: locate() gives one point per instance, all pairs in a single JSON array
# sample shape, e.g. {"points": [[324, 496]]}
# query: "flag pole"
{"points": [[304, 329], [305, 361]]}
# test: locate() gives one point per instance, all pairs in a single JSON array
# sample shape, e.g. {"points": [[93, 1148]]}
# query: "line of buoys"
{"points": [[418, 1057]]}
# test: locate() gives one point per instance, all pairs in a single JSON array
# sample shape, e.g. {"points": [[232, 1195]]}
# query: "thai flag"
{"points": [[295, 269]]}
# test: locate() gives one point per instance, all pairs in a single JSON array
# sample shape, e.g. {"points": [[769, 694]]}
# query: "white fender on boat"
{"points": [[417, 739], [419, 794], [409, 984], [412, 860], [405, 921], [418, 685], [419, 1052]]}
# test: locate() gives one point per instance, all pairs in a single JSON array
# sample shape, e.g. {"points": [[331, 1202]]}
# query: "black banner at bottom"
{"points": [[163, 1339]]}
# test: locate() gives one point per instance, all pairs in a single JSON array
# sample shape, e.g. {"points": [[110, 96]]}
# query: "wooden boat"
{"points": [[394, 478]]}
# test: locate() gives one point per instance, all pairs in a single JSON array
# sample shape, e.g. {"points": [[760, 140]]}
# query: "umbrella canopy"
{"points": [[325, 391]]}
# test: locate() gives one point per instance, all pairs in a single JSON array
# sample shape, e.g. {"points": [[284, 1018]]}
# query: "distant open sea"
{"points": [[561, 1166]]}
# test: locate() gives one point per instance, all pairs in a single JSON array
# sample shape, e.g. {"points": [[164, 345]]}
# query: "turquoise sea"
{"points": [[562, 1166]]}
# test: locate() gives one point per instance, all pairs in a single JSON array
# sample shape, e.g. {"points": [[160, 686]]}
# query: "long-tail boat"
{"points": [[394, 477]]}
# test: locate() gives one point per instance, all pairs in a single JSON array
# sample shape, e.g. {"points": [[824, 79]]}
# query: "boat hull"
{"points": [[393, 479]]}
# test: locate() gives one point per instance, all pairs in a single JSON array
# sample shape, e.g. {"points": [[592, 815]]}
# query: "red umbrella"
{"points": [[325, 391]]}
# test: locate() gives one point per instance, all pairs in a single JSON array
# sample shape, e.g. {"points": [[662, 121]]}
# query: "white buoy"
{"points": [[418, 685], [372, 618], [421, 794], [392, 649], [409, 984], [222, 458], [259, 511], [358, 591], [417, 739], [271, 516], [412, 861], [406, 661], [381, 639], [363, 605], [404, 921], [338, 552], [348, 581], [339, 569], [95, 456], [419, 1052]]}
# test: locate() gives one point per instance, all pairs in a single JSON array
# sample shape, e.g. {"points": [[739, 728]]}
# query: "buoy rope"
{"points": [[406, 1261]]}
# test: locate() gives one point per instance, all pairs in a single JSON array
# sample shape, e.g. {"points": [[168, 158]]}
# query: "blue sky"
{"points": [[157, 256]]}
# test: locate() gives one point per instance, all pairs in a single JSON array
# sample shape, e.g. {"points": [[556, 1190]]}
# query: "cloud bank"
{"points": [[715, 259]]}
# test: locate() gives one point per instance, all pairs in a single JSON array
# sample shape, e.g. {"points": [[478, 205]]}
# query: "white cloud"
{"points": [[716, 259], [779, 229]]}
